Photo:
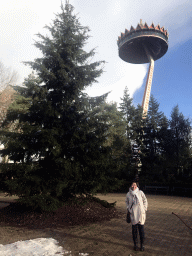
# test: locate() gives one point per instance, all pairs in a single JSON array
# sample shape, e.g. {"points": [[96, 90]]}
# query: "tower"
{"points": [[145, 44]]}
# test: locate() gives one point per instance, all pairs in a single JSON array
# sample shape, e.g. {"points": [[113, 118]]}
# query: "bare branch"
{"points": [[7, 76]]}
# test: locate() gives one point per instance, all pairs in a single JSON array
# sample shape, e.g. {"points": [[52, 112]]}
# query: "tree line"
{"points": [[162, 146], [63, 143]]}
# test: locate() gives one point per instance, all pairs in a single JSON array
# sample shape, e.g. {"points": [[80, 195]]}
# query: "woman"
{"points": [[136, 202]]}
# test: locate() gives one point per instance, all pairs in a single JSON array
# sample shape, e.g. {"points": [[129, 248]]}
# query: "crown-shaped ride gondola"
{"points": [[143, 44]]}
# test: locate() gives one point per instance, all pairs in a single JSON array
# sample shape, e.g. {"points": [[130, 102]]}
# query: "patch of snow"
{"points": [[35, 247]]}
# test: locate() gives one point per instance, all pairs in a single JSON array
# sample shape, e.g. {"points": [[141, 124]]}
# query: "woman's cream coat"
{"points": [[138, 211]]}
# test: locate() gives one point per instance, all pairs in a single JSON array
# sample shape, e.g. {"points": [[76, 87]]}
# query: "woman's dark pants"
{"points": [[141, 234]]}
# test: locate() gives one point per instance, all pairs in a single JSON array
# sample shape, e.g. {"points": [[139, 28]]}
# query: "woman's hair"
{"points": [[133, 181]]}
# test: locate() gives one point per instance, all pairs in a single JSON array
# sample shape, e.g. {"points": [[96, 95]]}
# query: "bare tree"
{"points": [[7, 76]]}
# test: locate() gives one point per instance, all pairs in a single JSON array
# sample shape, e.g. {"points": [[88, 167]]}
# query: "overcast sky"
{"points": [[22, 19]]}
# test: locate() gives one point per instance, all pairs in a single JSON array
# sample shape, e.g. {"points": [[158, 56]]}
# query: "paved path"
{"points": [[165, 233]]}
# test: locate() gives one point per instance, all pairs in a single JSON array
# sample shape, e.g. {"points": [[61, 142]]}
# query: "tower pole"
{"points": [[146, 96]]}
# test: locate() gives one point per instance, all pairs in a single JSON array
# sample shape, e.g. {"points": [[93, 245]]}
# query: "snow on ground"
{"points": [[35, 247]]}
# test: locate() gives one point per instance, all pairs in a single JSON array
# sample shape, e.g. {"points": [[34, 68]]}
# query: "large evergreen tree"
{"points": [[58, 144]]}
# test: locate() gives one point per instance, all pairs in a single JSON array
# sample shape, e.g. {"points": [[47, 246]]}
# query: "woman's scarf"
{"points": [[134, 194]]}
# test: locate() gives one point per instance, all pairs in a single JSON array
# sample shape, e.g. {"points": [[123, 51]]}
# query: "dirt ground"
{"points": [[165, 233]]}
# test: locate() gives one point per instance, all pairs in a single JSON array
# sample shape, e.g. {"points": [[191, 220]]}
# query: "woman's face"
{"points": [[133, 186]]}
